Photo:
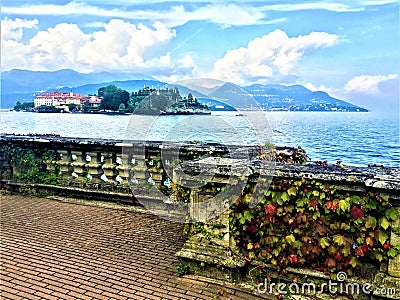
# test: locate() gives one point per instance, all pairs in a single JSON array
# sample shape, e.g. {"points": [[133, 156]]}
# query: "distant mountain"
{"points": [[23, 85], [296, 98], [276, 97]]}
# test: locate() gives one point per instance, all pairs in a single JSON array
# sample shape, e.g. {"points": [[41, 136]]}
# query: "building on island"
{"points": [[63, 101]]}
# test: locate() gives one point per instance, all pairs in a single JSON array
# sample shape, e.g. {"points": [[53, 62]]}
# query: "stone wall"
{"points": [[141, 173]]}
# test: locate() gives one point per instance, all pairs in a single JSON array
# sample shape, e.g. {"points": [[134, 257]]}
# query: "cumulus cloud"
{"points": [[322, 88], [119, 45], [274, 56], [367, 84], [12, 29]]}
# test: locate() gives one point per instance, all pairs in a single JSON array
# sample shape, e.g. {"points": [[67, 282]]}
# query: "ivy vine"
{"points": [[304, 223]]}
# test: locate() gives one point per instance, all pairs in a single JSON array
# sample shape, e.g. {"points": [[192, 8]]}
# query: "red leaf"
{"points": [[332, 205], [359, 251], [321, 229], [293, 258], [270, 209], [338, 256], [330, 262], [365, 248], [313, 203], [386, 246], [357, 212]]}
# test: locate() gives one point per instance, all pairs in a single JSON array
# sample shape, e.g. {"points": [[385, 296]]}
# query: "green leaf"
{"points": [[322, 196], [346, 250], [292, 191], [300, 202], [241, 219], [285, 197], [384, 223], [355, 199], [316, 215], [392, 214], [382, 237], [353, 262], [370, 222], [247, 215], [315, 193], [344, 205], [379, 256], [290, 239], [249, 246], [324, 242], [392, 252], [338, 239]]}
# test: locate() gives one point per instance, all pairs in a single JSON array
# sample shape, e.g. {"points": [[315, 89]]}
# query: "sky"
{"points": [[350, 49]]}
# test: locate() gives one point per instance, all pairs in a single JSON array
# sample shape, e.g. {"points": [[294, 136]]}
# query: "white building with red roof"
{"points": [[62, 100]]}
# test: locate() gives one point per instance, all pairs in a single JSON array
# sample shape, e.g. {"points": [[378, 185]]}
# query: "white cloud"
{"points": [[95, 24], [274, 55], [223, 14], [12, 29], [323, 88], [335, 6], [367, 84], [119, 45]]}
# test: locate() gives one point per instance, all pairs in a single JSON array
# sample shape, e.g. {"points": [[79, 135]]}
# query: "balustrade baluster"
{"points": [[79, 169], [65, 165], [94, 167], [109, 171]]}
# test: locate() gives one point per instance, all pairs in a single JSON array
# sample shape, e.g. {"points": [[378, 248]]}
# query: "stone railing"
{"points": [[116, 170], [87, 167]]}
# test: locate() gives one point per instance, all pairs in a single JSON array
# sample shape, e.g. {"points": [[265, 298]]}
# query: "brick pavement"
{"points": [[59, 250]]}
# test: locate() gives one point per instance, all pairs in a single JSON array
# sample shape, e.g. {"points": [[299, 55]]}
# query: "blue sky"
{"points": [[349, 49]]}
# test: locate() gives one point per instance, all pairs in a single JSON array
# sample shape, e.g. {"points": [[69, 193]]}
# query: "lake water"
{"points": [[354, 138]]}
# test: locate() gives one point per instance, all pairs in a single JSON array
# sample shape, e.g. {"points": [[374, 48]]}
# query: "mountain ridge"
{"points": [[23, 85]]}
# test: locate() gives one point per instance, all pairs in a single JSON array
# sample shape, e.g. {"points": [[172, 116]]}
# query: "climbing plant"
{"points": [[305, 223], [30, 165]]}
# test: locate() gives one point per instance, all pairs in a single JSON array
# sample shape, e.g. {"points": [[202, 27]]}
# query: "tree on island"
{"points": [[72, 107], [113, 97], [24, 106], [86, 106]]}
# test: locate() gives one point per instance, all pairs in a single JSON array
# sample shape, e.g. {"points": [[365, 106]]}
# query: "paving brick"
{"points": [[25, 295], [96, 296], [78, 295], [8, 289], [63, 296], [53, 249]]}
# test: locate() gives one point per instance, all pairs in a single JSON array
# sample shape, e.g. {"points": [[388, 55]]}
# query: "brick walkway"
{"points": [[58, 250]]}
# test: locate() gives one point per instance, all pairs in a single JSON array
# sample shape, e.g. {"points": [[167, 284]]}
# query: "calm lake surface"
{"points": [[354, 138]]}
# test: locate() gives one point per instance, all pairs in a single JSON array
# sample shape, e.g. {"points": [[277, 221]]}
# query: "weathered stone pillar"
{"points": [[65, 165], [95, 170], [78, 163], [213, 245], [109, 170], [139, 169], [214, 251], [50, 164], [123, 173]]}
